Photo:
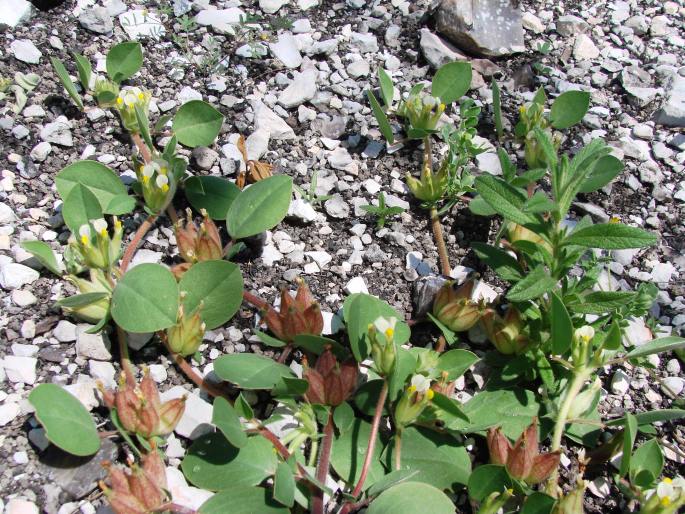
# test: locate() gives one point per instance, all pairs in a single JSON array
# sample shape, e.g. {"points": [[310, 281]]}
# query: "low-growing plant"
{"points": [[360, 406], [382, 211], [22, 84]]}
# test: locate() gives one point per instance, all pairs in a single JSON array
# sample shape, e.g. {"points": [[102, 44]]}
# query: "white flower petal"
{"points": [[84, 230], [421, 383], [99, 225]]}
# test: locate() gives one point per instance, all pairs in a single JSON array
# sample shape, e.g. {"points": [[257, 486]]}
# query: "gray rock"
{"points": [[301, 89], [78, 476], [182, 7], [364, 42], [336, 207], [672, 112], [331, 128], [14, 276], [437, 51], [266, 119], [374, 254], [14, 12], [65, 331], [423, 294], [205, 157], [486, 27], [272, 6], [302, 210], [359, 68], [285, 50], [223, 21], [570, 25], [41, 151], [141, 24], [115, 7], [637, 83], [584, 48], [91, 346], [6, 214], [25, 51], [57, 132], [20, 369], [96, 19]]}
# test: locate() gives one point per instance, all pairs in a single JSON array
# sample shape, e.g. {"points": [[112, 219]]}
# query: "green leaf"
{"points": [[260, 207], [486, 480], [218, 285], [480, 207], [497, 108], [538, 503], [226, 419], [85, 70], [102, 182], [243, 408], [362, 309], [456, 362], [412, 498], [349, 450], [343, 417], [647, 458], [120, 204], [513, 410], [663, 344], [562, 327], [604, 171], [242, 500], [284, 485], [500, 261], [440, 460], [601, 302], [197, 124], [269, 340], [611, 236], [143, 125], [569, 108], [387, 89], [534, 285], [67, 423], [44, 254], [504, 199], [451, 81], [213, 463], [250, 371], [63, 75], [405, 365], [450, 336], [289, 387], [612, 341], [145, 299], [390, 480], [381, 118], [629, 434], [80, 207], [213, 194], [81, 300], [448, 406], [538, 203], [124, 60], [646, 418]]}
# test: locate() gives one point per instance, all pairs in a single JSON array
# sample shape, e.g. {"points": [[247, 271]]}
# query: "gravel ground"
{"points": [[629, 55]]}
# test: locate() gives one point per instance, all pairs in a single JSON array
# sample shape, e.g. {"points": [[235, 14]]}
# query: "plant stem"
{"points": [[285, 354], [137, 238], [313, 452], [574, 388], [254, 300], [126, 365], [142, 148], [370, 446], [323, 466], [398, 450], [440, 242]]}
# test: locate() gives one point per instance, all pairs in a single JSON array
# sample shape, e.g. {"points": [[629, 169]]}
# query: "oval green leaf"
{"points": [[145, 299], [242, 500], [381, 118], [260, 207], [45, 255], [569, 108], [64, 78], [213, 463], [412, 498], [80, 207], [124, 60], [226, 419], [452, 81], [213, 194], [663, 344], [605, 170], [284, 485], [349, 450], [456, 362], [611, 236], [250, 371], [197, 123], [66, 421], [486, 480], [102, 182], [218, 285]]}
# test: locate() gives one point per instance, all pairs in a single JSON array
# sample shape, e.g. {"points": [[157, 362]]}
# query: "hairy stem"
{"points": [[398, 450], [254, 300], [318, 506], [145, 152], [370, 446], [574, 388], [135, 242], [440, 242]]}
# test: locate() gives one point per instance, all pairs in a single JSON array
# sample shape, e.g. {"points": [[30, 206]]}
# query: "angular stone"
{"points": [[570, 25], [286, 50], [140, 24], [584, 48], [672, 112], [197, 416], [301, 89], [14, 276], [14, 12], [91, 346], [96, 19], [485, 27], [222, 21], [265, 118], [25, 51]]}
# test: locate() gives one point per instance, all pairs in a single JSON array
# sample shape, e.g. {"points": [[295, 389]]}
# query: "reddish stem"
{"points": [[145, 152], [126, 364], [323, 466], [135, 242], [370, 447], [285, 354], [255, 300], [175, 507]]}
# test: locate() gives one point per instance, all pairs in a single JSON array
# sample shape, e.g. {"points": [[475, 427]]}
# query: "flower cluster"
{"points": [[422, 111], [431, 187], [138, 490], [197, 243], [296, 316], [330, 382], [414, 400], [156, 183], [382, 338], [506, 333], [128, 99], [96, 247], [667, 498], [186, 336]]}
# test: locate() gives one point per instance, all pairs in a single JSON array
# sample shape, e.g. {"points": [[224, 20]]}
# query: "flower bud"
{"points": [[381, 335], [95, 246], [505, 333], [414, 400], [330, 383], [96, 311], [186, 336], [140, 489], [126, 102], [158, 186], [201, 243], [431, 187], [106, 93], [580, 346], [422, 111], [455, 309], [296, 316], [495, 502]]}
